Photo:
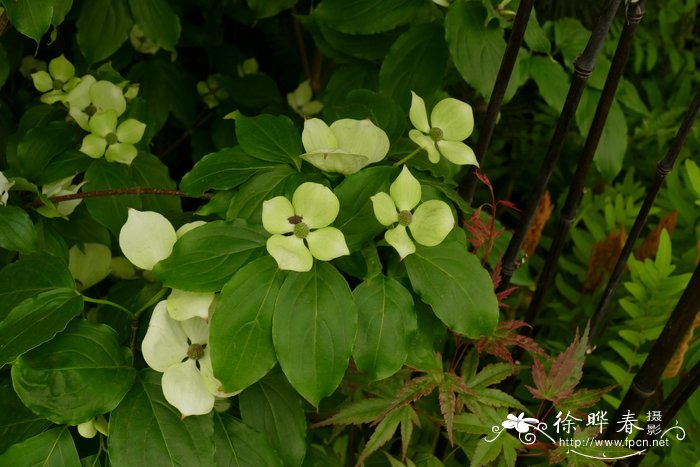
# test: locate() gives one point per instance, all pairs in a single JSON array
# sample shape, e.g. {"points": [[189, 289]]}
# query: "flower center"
{"points": [[295, 219], [435, 134], [58, 84], [195, 351], [90, 110], [301, 230], [111, 138], [405, 218]]}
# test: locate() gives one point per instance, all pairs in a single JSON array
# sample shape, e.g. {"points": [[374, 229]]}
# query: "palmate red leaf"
{"points": [[558, 384], [506, 336]]}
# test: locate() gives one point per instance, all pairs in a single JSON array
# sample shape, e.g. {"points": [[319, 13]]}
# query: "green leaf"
{"points": [[269, 138], [110, 211], [367, 16], [383, 432], [570, 37], [17, 233], [416, 62], [551, 79], [17, 422], [535, 37], [53, 448], [30, 276], [103, 26], [37, 320], [157, 21], [272, 407], [165, 88], [148, 171], [240, 339], [313, 330], [612, 147], [60, 10], [359, 412], [385, 328], [237, 444], [247, 202], [39, 146], [31, 18], [356, 218], [65, 164], [267, 8], [4, 66], [453, 282], [476, 47], [145, 430], [222, 170], [363, 103], [82, 372], [206, 258]]}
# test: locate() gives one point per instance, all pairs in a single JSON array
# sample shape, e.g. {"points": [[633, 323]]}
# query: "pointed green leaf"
{"points": [[367, 16], [385, 328], [269, 138], [80, 373], [145, 430], [148, 171], [103, 26], [383, 432], [273, 408], [110, 211], [237, 444], [206, 258], [17, 422], [240, 340], [17, 232], [158, 22], [30, 276], [36, 320], [53, 448], [314, 329], [453, 282], [31, 18]]}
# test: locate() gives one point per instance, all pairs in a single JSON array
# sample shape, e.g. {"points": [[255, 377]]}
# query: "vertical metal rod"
{"points": [[663, 167], [583, 67], [634, 13], [647, 378], [669, 408], [510, 56]]}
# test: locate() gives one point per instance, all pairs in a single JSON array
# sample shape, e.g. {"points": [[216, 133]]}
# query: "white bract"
{"points": [[89, 263], [5, 186], [179, 350], [345, 147], [429, 223], [90, 428], [57, 81], [91, 96], [451, 122], [300, 227], [300, 100], [61, 187]]}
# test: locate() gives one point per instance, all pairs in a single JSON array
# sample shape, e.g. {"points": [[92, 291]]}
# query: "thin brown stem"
{"points": [[299, 36], [117, 192]]}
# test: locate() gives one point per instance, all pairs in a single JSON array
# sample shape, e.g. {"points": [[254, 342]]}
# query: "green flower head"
{"points": [[429, 223], [451, 122], [116, 143], [91, 96], [300, 229], [57, 81], [345, 147], [300, 100]]}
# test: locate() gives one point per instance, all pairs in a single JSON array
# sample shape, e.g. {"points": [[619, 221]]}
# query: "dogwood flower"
{"points": [[179, 350], [300, 227], [146, 238], [140, 42], [89, 263], [5, 186], [57, 81], [300, 100], [60, 187], [211, 91], [345, 147], [429, 223], [90, 96], [521, 424], [115, 142], [90, 428], [249, 66], [451, 122]]}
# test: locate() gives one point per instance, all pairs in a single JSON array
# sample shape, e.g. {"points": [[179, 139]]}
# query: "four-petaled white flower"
{"points": [[429, 224], [345, 147], [451, 122], [60, 187], [91, 96], [300, 100], [115, 142], [521, 423], [179, 350], [301, 222]]}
